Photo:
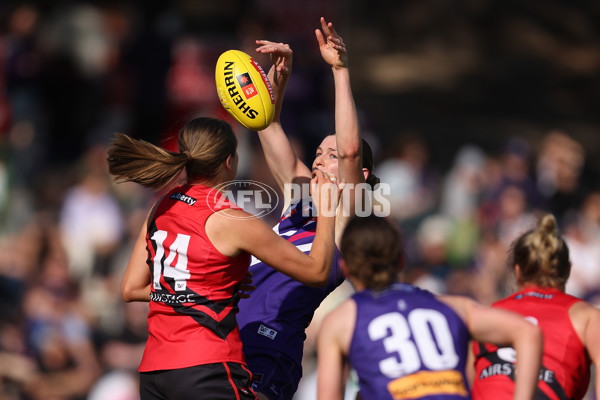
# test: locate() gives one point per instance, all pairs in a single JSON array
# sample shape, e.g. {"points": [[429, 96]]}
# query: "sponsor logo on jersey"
{"points": [[268, 332], [183, 197], [534, 294], [428, 383], [497, 369], [508, 369], [169, 298]]}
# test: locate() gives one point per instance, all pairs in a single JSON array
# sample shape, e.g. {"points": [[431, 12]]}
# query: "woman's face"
{"points": [[326, 157]]}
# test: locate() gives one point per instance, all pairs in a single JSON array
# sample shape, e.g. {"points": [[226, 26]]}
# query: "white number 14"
{"points": [[179, 271]]}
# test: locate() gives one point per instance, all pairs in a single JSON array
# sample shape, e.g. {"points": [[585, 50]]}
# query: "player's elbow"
{"points": [[349, 153], [127, 292], [126, 296], [319, 279], [321, 282]]}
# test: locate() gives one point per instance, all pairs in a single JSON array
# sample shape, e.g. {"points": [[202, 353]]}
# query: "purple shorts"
{"points": [[273, 374]]}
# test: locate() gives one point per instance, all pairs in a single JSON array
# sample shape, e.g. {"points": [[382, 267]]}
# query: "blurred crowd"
{"points": [[68, 81]]}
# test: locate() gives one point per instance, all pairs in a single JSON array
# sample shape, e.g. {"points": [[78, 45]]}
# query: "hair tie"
{"points": [[188, 155]]}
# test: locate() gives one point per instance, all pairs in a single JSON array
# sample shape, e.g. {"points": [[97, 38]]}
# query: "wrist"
{"points": [[337, 70]]}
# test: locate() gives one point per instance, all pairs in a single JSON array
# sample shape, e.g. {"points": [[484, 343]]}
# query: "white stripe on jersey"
{"points": [[288, 233], [303, 248]]}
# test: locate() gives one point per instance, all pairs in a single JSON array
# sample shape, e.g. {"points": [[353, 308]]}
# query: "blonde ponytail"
{"points": [[542, 255]]}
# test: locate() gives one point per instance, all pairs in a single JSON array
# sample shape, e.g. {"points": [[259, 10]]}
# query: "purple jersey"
{"points": [[408, 344], [280, 309]]}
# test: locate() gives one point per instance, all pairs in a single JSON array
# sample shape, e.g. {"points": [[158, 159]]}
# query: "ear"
{"points": [[343, 267], [355, 282], [229, 162], [518, 272]]}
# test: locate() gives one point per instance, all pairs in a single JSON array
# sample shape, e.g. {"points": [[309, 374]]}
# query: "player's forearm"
{"points": [[323, 249], [279, 154], [346, 118], [529, 347]]}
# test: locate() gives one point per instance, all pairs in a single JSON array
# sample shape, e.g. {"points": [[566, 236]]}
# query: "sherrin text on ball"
{"points": [[244, 90]]}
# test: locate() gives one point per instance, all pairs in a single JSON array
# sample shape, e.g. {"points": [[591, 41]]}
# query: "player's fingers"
{"points": [[332, 31], [324, 26], [320, 37]]}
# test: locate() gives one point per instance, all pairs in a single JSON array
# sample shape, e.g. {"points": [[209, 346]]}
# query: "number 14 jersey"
{"points": [[408, 345], [194, 289]]}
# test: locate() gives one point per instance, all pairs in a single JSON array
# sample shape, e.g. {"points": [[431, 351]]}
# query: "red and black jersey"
{"points": [[565, 371], [194, 295]]}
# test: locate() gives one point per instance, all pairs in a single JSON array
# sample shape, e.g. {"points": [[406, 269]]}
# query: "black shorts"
{"points": [[219, 381]]}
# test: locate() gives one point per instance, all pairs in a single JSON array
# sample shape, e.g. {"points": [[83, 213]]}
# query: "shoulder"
{"points": [[338, 325], [234, 223], [582, 313], [234, 218], [342, 317], [586, 322], [460, 304]]}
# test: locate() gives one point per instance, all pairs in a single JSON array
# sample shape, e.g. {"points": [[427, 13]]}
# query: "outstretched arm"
{"points": [[348, 138], [228, 232], [281, 158]]}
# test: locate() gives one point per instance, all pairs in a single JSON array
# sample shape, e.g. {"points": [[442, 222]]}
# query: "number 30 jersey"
{"points": [[408, 345], [194, 289]]}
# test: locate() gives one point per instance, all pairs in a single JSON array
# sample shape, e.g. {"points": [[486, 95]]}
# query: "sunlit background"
{"points": [[482, 115]]}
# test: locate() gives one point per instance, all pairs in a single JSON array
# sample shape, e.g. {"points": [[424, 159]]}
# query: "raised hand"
{"points": [[281, 57], [325, 193], [333, 49]]}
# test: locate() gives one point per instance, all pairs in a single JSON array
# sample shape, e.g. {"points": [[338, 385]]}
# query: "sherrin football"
{"points": [[244, 90]]}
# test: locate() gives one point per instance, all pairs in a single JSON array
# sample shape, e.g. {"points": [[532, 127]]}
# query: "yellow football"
{"points": [[244, 89]]}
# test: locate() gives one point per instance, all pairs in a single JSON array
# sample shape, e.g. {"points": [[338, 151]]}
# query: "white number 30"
{"points": [[431, 342]]}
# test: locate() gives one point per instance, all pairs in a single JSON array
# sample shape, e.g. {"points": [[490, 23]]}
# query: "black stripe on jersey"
{"points": [[151, 250], [220, 328], [493, 358]]}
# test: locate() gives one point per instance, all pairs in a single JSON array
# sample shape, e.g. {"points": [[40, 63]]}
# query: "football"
{"points": [[244, 89]]}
